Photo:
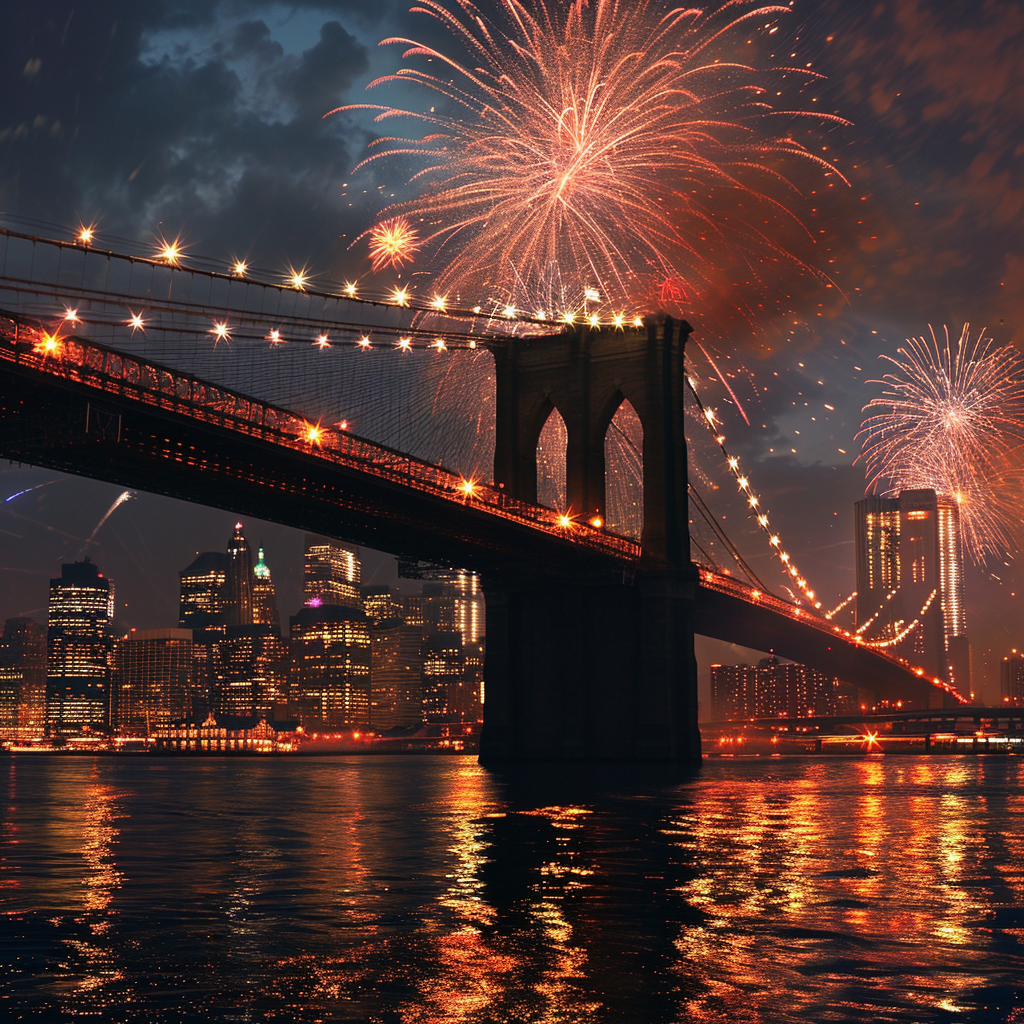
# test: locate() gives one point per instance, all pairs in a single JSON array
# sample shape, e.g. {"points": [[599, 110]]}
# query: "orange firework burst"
{"points": [[392, 243], [599, 138]]}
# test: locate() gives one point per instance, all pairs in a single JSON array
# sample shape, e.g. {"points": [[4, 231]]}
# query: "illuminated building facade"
{"points": [[396, 691], [1011, 680], [238, 583], [201, 605], [329, 683], [770, 689], [381, 603], [22, 680], [151, 680], [331, 573], [909, 549], [264, 599], [78, 645], [227, 734], [249, 671], [443, 685]]}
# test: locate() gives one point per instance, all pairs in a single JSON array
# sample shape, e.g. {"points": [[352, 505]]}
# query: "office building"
{"points": [[443, 686], [770, 689], [22, 680], [381, 603], [78, 645], [331, 573], [910, 570], [1011, 679], [264, 599], [249, 671], [151, 680], [396, 691], [239, 580], [202, 605], [329, 684]]}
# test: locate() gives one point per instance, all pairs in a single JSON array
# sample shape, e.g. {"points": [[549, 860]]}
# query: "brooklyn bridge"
{"points": [[111, 367]]}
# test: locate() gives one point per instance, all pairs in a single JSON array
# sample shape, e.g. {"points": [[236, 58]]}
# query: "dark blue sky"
{"points": [[204, 118]]}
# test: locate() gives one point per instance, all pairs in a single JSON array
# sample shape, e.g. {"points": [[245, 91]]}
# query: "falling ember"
{"points": [[392, 243], [600, 137], [951, 419]]}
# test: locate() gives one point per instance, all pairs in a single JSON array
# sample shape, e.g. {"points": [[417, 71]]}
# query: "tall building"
{"points": [[443, 686], [22, 680], [395, 680], [381, 603], [1011, 679], [249, 671], [330, 667], [331, 573], [202, 603], [81, 609], [910, 569], [151, 680], [264, 600], [770, 689], [238, 583]]}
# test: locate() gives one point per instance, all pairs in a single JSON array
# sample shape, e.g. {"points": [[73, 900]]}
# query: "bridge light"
{"points": [[755, 595], [314, 435], [509, 311], [364, 342], [468, 487], [638, 321], [86, 234], [753, 500], [440, 301], [709, 415], [720, 439], [240, 268], [733, 462], [135, 322], [405, 344], [594, 320], [220, 331], [400, 296], [541, 314], [597, 522], [343, 425], [762, 520], [569, 318], [476, 309], [619, 321], [169, 252], [48, 345], [564, 521], [274, 337], [472, 343], [297, 279], [322, 341], [591, 295], [440, 345], [743, 482], [350, 289], [71, 316], [784, 557]]}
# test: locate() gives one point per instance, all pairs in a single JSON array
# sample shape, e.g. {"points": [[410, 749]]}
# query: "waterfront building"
{"points": [[396, 690], [770, 689], [443, 699], [238, 583], [910, 570], [381, 603], [1011, 679], [249, 671], [331, 573], [219, 733], [264, 599], [78, 645], [202, 604], [151, 680], [329, 683], [22, 680]]}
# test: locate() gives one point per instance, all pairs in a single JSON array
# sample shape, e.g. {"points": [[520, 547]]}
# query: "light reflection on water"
{"points": [[429, 889]]}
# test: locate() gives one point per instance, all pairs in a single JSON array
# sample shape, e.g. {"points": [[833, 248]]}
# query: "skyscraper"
{"points": [[910, 570], [150, 681], [202, 604], [331, 573], [81, 610], [264, 599], [770, 689], [238, 584], [22, 680]]}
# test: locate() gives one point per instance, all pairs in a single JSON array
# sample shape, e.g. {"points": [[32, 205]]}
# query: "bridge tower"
{"points": [[596, 668]]}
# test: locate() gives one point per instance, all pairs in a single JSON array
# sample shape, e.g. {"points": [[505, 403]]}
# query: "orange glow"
{"points": [[49, 345], [71, 316], [135, 322], [322, 341], [297, 279], [314, 435], [569, 318], [343, 425], [638, 321], [364, 342], [509, 311], [468, 487], [917, 515], [392, 243], [86, 234], [594, 320], [240, 268], [405, 344], [440, 345], [440, 301], [565, 521], [169, 252], [400, 296], [350, 289], [597, 522], [274, 337], [220, 330]]}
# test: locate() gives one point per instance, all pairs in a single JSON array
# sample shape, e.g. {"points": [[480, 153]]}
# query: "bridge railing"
{"points": [[89, 363], [712, 579]]}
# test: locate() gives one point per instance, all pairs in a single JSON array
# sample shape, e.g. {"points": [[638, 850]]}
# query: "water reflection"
{"points": [[422, 889]]}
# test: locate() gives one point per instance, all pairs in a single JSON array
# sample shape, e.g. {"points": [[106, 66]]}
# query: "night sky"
{"points": [[205, 119]]}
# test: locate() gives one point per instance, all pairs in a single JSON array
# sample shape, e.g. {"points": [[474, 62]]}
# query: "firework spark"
{"points": [[392, 243], [119, 500], [951, 419], [625, 148]]}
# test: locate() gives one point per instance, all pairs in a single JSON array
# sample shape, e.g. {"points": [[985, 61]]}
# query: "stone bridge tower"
{"points": [[596, 668]]}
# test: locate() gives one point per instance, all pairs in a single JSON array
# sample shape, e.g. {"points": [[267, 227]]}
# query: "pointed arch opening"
{"points": [[624, 473], [551, 447]]}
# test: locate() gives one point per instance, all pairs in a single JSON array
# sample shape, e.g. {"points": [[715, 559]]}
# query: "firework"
{"points": [[625, 148], [119, 500], [951, 419], [392, 243]]}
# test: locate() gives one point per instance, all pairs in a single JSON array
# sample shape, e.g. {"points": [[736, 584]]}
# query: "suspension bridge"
{"points": [[196, 382]]}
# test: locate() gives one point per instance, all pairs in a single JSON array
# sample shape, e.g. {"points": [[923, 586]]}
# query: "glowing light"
{"points": [[364, 342], [569, 317], [597, 522], [743, 482], [509, 312], [322, 341], [405, 344], [638, 321], [135, 322], [343, 425], [49, 345], [392, 243], [71, 316], [274, 337], [591, 295], [240, 268], [350, 289], [86, 233], [468, 487], [594, 320], [564, 521], [440, 302], [314, 435], [400, 296], [169, 252], [440, 345], [297, 279], [619, 321], [220, 331], [472, 343]]}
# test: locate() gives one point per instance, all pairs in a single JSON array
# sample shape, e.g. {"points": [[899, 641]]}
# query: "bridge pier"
{"points": [[591, 672]]}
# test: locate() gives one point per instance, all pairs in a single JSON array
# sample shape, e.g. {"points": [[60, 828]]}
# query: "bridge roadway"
{"points": [[76, 406]]}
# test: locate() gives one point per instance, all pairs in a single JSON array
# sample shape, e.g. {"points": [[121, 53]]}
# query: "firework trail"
{"points": [[119, 500], [596, 136], [951, 419], [28, 490]]}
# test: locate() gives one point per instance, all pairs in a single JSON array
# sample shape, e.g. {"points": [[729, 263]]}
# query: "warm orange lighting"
{"points": [[400, 296], [917, 515], [135, 322], [314, 435], [322, 341], [597, 522], [343, 425], [594, 320], [564, 521], [297, 279], [49, 345], [405, 344], [240, 268], [86, 234], [274, 337], [169, 252], [440, 301], [638, 321], [569, 318], [619, 321], [472, 343], [468, 487], [71, 316], [755, 595], [220, 331], [440, 345], [364, 342], [350, 289]]}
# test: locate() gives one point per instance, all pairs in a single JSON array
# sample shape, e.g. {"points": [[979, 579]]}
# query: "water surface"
{"points": [[423, 889]]}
